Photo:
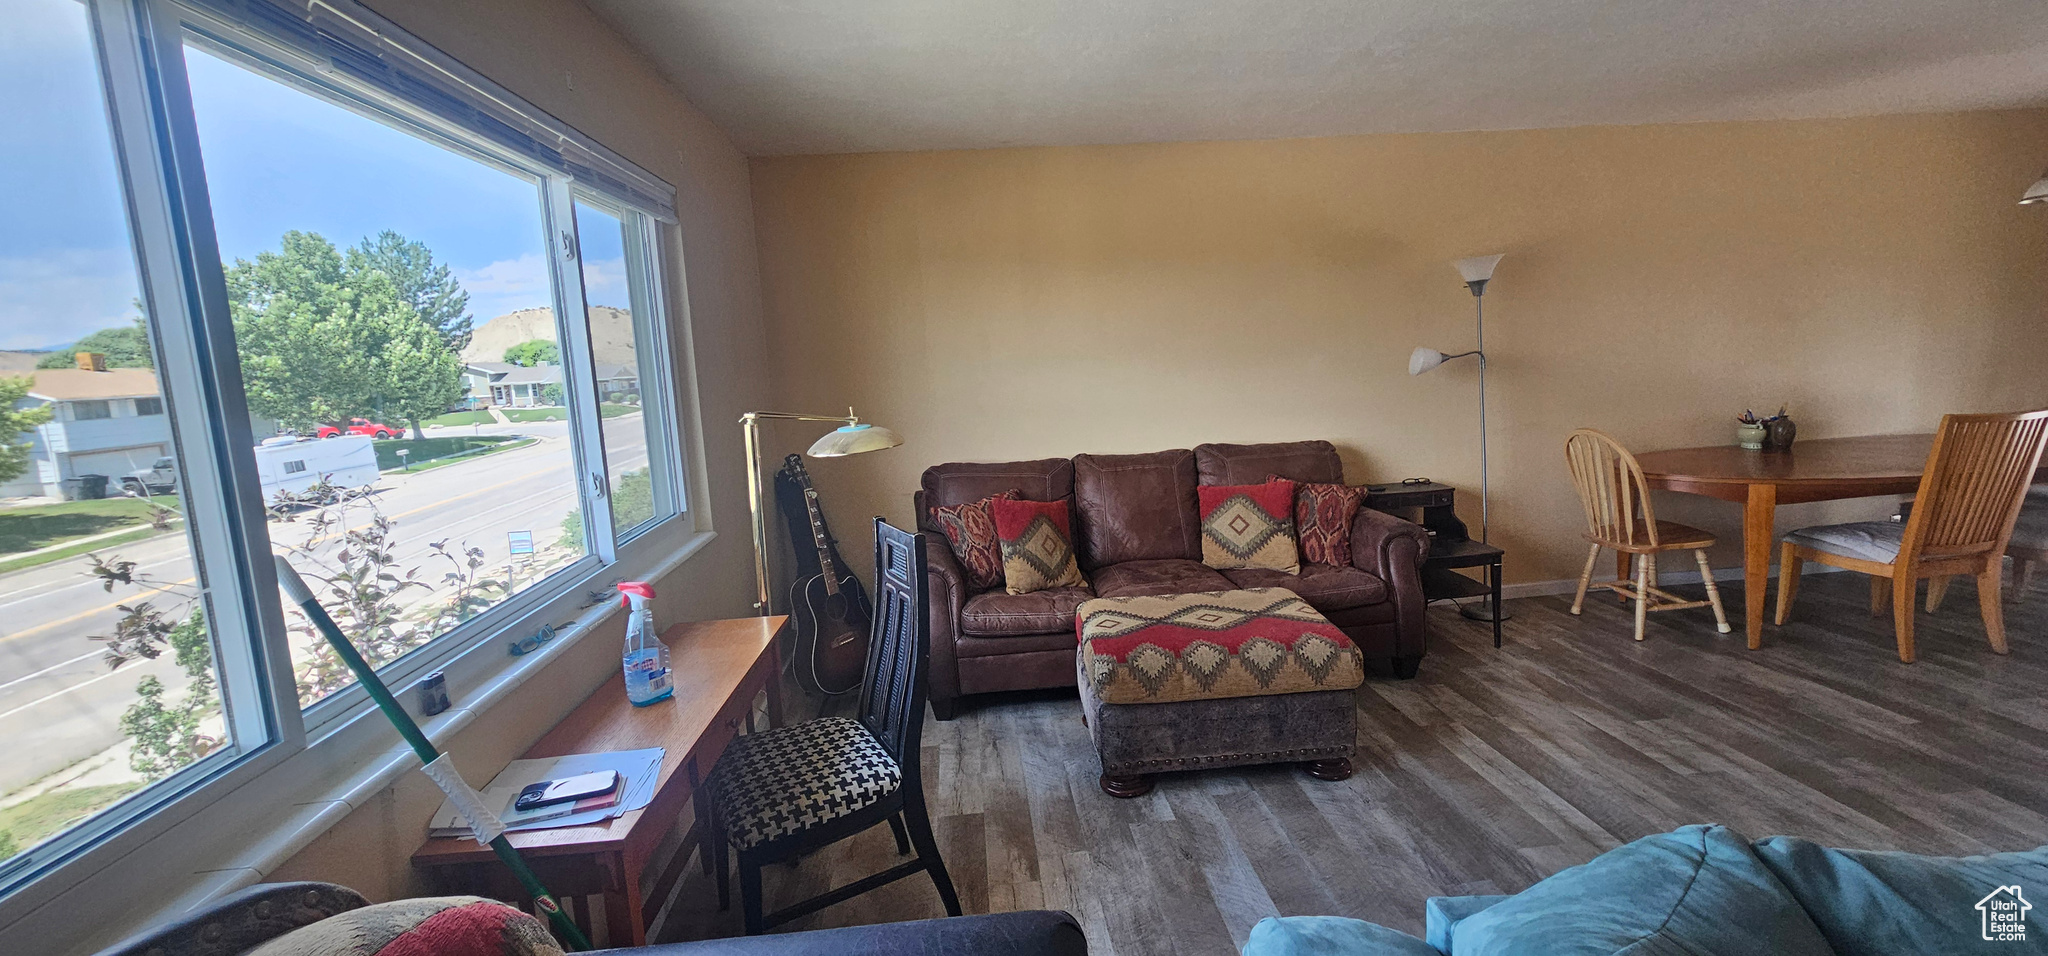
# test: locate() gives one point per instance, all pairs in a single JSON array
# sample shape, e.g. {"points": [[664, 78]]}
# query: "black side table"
{"points": [[1450, 545]]}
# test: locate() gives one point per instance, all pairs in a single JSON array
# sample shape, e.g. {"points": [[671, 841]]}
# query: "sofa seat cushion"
{"points": [[997, 614], [1165, 576], [1179, 647], [1875, 903], [1325, 587], [1697, 889]]}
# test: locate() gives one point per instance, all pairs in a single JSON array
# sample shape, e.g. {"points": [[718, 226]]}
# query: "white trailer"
{"points": [[292, 465]]}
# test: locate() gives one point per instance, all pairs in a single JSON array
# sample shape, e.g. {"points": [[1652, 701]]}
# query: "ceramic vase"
{"points": [[1750, 436], [1778, 434]]}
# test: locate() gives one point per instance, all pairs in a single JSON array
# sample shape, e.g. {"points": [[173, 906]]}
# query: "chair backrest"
{"points": [[1975, 482], [1612, 489], [892, 694]]}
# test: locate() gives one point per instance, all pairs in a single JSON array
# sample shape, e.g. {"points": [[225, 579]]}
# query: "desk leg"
{"points": [[775, 698], [1757, 533], [622, 926]]}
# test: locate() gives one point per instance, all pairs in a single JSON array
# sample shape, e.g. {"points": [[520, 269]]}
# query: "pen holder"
{"points": [[1750, 436]]}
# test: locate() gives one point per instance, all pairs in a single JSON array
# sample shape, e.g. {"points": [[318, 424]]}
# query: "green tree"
{"points": [[552, 394], [323, 342], [533, 352], [15, 421], [125, 346], [429, 287]]}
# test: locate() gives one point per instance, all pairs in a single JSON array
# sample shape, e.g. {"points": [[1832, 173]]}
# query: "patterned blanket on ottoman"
{"points": [[1171, 647]]}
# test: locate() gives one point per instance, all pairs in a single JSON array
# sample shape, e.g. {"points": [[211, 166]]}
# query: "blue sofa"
{"points": [[1707, 890]]}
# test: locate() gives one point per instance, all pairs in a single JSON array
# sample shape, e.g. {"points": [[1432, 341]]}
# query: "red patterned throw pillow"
{"points": [[971, 531], [1249, 526], [1037, 539], [1322, 517], [435, 926]]}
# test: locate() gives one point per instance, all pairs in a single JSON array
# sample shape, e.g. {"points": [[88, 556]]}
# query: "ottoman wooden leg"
{"points": [[1335, 768], [1126, 787]]}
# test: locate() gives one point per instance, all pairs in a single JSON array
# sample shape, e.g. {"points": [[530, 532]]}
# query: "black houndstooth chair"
{"points": [[785, 792]]}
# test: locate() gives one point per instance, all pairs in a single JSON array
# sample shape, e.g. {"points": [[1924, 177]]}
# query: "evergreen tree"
{"points": [[15, 421], [430, 288]]}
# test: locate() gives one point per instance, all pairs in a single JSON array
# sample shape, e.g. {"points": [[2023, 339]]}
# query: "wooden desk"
{"points": [[719, 667], [1824, 469]]}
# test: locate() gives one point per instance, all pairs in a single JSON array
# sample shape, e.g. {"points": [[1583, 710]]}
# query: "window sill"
{"points": [[245, 833]]}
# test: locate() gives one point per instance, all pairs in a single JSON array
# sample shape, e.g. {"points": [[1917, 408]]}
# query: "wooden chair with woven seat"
{"points": [[1963, 516], [782, 793], [1619, 517]]}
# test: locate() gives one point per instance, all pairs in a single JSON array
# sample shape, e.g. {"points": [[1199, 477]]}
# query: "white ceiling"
{"points": [[830, 76]]}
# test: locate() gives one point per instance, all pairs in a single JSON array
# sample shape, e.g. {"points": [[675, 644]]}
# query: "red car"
{"points": [[359, 426]]}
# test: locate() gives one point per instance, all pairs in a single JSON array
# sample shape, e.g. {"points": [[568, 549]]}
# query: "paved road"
{"points": [[56, 694]]}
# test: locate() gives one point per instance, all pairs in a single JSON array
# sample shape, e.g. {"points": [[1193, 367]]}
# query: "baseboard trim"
{"points": [[1522, 589]]}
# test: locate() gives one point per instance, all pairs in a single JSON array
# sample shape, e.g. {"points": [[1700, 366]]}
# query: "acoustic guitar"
{"points": [[829, 607]]}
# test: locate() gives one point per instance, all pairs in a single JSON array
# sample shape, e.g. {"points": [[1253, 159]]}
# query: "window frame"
{"points": [[140, 46]]}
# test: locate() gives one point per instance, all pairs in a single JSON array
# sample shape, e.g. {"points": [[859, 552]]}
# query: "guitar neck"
{"points": [[826, 566]]}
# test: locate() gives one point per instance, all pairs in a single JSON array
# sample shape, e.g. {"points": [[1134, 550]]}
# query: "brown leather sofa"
{"points": [[1137, 531]]}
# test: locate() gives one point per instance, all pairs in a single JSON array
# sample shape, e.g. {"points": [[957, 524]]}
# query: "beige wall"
{"points": [[1017, 303], [528, 46]]}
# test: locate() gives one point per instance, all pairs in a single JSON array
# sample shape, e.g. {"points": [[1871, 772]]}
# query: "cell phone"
{"points": [[549, 792]]}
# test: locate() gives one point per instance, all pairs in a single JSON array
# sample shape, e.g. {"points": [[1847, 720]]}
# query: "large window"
{"points": [[375, 315], [107, 677]]}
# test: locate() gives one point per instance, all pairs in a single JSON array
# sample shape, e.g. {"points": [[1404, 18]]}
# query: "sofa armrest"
{"points": [[947, 596], [1393, 549], [1029, 933]]}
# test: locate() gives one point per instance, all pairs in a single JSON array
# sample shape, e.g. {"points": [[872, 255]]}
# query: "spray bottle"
{"points": [[646, 659]]}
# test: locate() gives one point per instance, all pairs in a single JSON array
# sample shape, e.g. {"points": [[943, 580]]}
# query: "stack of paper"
{"points": [[639, 770]]}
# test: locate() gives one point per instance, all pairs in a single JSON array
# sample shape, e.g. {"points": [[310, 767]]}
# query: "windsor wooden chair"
{"points": [[1619, 517]]}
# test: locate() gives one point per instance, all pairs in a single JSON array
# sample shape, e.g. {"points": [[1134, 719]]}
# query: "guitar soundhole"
{"points": [[835, 607]]}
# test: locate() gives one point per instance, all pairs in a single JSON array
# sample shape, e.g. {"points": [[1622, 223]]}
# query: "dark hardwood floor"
{"points": [[1491, 770]]}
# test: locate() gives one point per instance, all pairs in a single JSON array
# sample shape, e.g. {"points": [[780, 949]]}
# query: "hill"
{"points": [[611, 334]]}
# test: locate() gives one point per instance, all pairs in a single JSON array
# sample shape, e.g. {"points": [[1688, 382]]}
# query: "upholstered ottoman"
{"points": [[1220, 679]]}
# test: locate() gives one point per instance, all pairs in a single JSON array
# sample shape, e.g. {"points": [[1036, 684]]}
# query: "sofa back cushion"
{"points": [[960, 482], [1136, 507], [1870, 902], [1250, 464], [1697, 889]]}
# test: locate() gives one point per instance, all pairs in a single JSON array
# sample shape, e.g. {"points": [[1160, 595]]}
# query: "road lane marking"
{"points": [[4, 638], [44, 700], [84, 656]]}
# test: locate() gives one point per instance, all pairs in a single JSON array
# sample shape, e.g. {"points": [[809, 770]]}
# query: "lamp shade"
{"points": [[853, 440], [1423, 359], [1478, 268], [2037, 193]]}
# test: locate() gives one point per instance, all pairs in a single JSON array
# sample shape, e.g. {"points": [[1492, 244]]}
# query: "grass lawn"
{"points": [[609, 410], [546, 414], [423, 450], [461, 418], [37, 818], [41, 526], [504, 444], [143, 533]]}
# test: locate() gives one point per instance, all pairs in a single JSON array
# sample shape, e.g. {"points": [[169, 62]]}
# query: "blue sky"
{"points": [[276, 159]]}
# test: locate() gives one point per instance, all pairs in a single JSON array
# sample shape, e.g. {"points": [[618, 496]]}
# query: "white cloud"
{"points": [[61, 295], [507, 285], [604, 282]]}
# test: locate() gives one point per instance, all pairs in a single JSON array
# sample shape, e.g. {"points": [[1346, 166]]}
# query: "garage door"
{"points": [[116, 462]]}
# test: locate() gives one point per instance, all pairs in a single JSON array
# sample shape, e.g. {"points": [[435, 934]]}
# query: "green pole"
{"points": [[295, 588]]}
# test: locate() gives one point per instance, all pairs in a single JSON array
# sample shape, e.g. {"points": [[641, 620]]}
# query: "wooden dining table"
{"points": [[1823, 469]]}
